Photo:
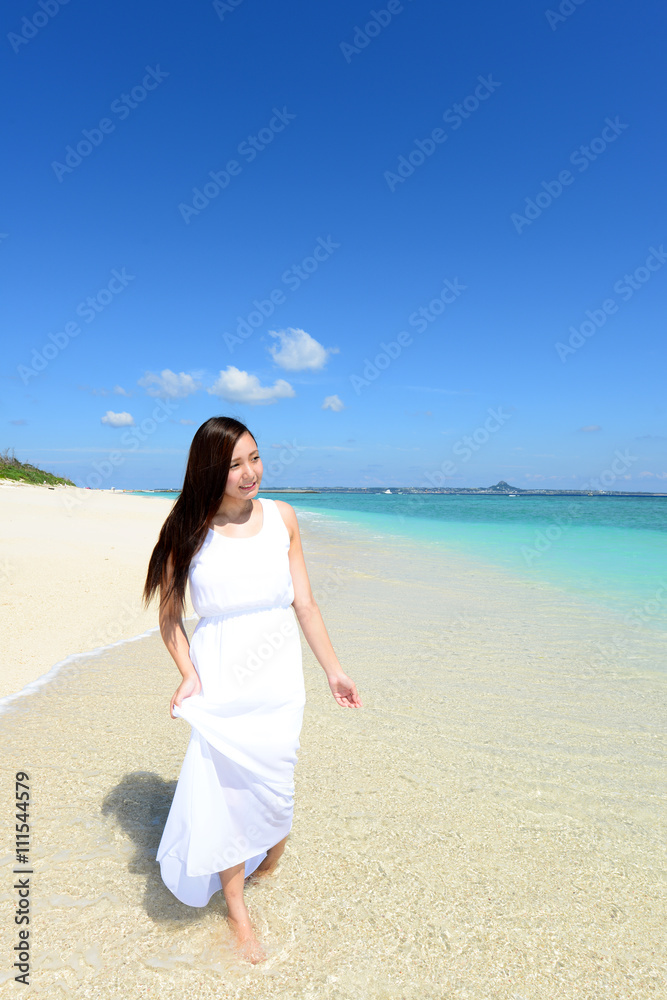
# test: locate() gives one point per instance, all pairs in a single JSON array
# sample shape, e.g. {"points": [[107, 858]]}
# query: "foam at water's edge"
{"points": [[54, 670]]}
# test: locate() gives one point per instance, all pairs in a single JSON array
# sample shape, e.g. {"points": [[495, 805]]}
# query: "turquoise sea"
{"points": [[607, 550]]}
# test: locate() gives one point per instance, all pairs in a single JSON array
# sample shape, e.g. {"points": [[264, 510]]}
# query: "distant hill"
{"points": [[502, 487], [22, 472]]}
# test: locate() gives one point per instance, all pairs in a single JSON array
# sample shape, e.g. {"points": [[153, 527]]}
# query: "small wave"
{"points": [[46, 678]]}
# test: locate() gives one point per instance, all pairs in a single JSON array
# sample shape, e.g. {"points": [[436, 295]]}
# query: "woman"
{"points": [[242, 685]]}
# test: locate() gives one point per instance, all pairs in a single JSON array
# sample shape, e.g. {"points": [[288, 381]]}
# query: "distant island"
{"points": [[500, 489]]}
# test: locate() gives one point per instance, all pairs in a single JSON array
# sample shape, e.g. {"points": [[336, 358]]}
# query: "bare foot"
{"points": [[261, 873], [247, 945]]}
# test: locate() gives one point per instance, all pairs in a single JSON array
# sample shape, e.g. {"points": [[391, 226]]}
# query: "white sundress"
{"points": [[235, 794]]}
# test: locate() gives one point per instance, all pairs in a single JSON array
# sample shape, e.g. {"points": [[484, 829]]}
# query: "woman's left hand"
{"points": [[344, 690]]}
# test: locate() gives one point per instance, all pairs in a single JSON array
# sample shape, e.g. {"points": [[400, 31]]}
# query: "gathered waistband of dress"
{"points": [[248, 611]]}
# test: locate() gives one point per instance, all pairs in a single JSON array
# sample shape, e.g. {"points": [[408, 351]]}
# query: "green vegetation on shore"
{"points": [[11, 468]]}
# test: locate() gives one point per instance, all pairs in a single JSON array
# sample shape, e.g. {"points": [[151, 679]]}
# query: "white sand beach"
{"points": [[72, 567], [489, 824]]}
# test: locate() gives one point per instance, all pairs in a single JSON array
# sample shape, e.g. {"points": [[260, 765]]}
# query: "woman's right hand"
{"points": [[189, 685]]}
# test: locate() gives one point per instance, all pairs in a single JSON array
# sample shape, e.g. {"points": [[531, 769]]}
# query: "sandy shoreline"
{"points": [[490, 824], [72, 570]]}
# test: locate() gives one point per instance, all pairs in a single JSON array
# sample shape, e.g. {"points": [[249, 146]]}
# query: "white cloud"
{"points": [[298, 350], [118, 419], [118, 389], [240, 387], [591, 427], [186, 422], [169, 385], [333, 403]]}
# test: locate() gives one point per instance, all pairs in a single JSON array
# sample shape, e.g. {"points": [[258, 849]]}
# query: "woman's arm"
{"points": [[175, 639], [310, 619]]}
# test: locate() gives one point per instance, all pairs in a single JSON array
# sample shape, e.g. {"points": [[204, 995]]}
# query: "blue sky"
{"points": [[471, 195]]}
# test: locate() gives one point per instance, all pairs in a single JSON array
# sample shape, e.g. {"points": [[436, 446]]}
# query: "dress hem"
{"points": [[201, 892]]}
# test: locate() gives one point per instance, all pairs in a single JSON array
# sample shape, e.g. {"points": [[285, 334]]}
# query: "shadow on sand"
{"points": [[140, 804]]}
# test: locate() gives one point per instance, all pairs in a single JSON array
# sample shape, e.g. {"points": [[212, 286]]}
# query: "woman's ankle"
{"points": [[238, 915]]}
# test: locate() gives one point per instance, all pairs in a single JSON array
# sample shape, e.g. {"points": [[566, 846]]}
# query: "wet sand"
{"points": [[490, 824]]}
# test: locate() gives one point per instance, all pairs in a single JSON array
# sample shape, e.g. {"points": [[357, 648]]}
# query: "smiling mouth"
{"points": [[248, 487]]}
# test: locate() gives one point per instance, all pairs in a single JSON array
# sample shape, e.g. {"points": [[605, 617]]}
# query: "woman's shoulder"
{"points": [[286, 512], [285, 509]]}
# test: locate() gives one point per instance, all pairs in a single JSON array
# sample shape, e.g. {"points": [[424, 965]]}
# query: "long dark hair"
{"points": [[184, 529]]}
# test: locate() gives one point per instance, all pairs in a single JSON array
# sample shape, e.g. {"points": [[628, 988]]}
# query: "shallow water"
{"points": [[610, 550], [490, 824]]}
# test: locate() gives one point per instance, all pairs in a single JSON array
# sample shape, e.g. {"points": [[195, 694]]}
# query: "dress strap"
{"points": [[270, 511], [275, 524]]}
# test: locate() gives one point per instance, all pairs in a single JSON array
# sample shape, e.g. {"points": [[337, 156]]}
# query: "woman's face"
{"points": [[245, 469]]}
